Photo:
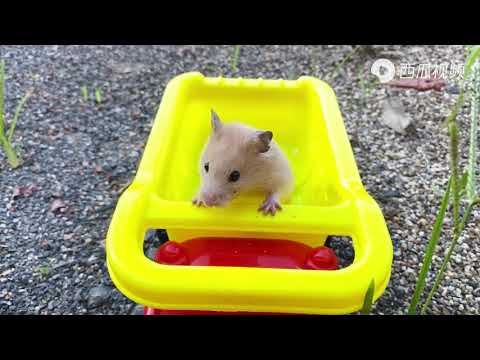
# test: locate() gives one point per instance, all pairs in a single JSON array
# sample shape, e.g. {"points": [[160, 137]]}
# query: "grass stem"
{"points": [[432, 244], [440, 273]]}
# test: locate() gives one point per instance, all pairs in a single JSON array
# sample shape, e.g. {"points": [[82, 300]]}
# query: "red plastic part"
{"points": [[151, 311], [173, 254], [279, 254], [321, 258]]}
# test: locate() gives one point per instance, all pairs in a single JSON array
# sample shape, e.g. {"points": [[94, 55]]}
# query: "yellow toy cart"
{"points": [[329, 199]]}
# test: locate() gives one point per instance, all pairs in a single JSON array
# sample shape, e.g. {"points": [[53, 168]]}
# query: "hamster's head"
{"points": [[231, 161]]}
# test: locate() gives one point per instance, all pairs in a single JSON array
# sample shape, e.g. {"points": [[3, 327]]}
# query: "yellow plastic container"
{"points": [[329, 199]]}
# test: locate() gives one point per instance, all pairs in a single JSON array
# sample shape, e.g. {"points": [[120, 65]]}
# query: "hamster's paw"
{"points": [[197, 201], [270, 205]]}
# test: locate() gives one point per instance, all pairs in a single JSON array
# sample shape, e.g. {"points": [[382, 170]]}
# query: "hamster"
{"points": [[239, 158]]}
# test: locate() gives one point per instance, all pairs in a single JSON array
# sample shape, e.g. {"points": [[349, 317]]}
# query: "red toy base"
{"points": [[151, 311], [279, 254]]}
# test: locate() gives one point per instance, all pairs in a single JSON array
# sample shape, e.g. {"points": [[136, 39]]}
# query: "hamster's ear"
{"points": [[216, 123], [263, 140]]}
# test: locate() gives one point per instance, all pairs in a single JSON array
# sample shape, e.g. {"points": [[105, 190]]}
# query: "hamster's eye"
{"points": [[234, 176], [206, 167]]}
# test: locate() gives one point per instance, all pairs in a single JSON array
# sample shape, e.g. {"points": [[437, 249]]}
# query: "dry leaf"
{"points": [[54, 134], [394, 115], [98, 169], [24, 191], [16, 193], [29, 190], [57, 204]]}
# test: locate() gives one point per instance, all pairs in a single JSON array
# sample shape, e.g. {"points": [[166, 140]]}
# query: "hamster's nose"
{"points": [[210, 199]]}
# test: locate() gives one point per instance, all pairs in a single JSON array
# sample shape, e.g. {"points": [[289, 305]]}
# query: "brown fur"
{"points": [[259, 160]]}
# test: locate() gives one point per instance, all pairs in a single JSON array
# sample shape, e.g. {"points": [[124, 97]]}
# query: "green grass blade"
{"points": [[440, 273], [292, 74], [368, 301], [472, 156], [84, 93], [235, 56], [363, 86], [372, 85], [2, 80], [432, 244], [454, 155], [12, 157], [463, 183], [472, 57], [344, 60], [456, 108], [18, 110], [98, 96]]}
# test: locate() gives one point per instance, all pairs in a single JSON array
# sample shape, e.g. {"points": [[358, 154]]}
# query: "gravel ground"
{"points": [[78, 156]]}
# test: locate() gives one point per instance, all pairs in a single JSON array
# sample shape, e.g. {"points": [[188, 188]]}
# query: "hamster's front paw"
{"points": [[198, 201], [270, 205]]}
